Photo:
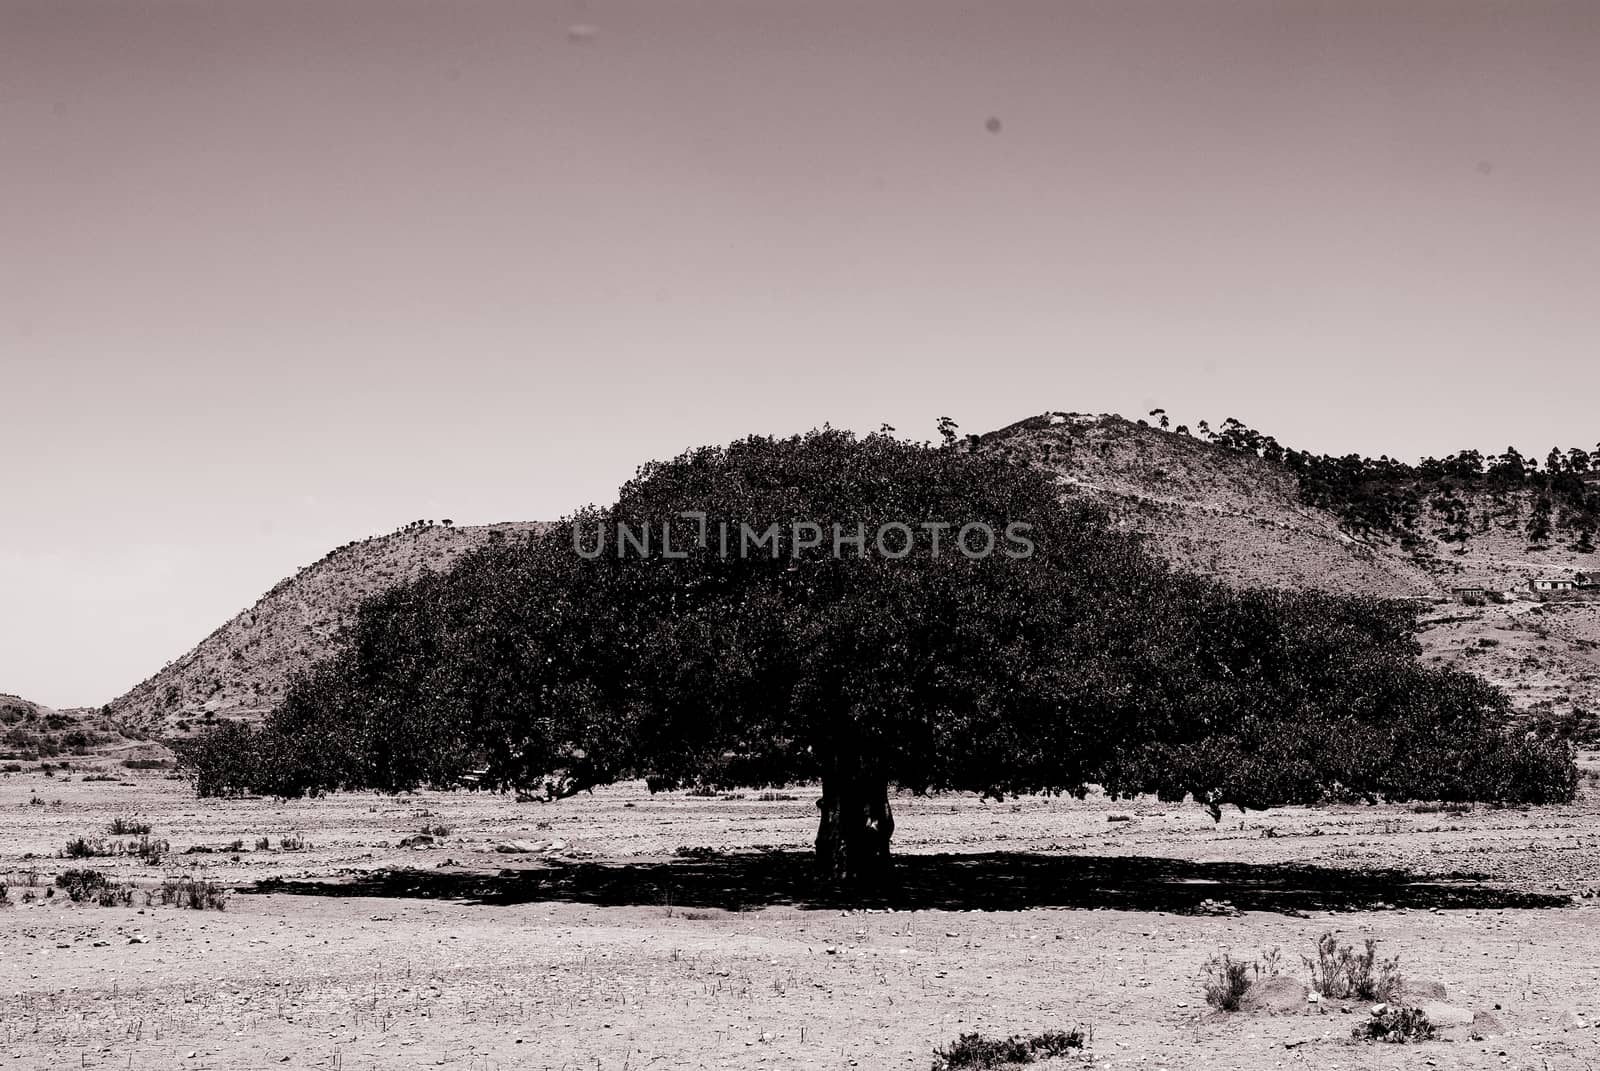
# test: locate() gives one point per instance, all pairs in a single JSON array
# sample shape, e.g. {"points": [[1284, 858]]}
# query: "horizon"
{"points": [[279, 277]]}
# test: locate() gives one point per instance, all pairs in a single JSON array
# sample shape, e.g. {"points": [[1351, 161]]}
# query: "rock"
{"points": [[1443, 1015], [1484, 1024], [512, 847], [1216, 907], [1275, 995], [1420, 989]]}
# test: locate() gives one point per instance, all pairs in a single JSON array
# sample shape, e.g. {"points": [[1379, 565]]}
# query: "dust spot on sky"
{"points": [[992, 124]]}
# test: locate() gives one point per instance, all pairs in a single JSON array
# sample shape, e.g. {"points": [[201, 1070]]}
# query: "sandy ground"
{"points": [[674, 931]]}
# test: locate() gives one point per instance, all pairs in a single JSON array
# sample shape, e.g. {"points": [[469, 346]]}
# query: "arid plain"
{"points": [[630, 930]]}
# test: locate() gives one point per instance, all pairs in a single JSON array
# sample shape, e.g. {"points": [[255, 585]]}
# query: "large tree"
{"points": [[871, 613]]}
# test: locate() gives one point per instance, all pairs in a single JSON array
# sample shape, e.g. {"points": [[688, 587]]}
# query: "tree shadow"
{"points": [[995, 881]]}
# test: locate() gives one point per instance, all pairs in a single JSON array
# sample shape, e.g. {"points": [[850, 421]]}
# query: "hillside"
{"points": [[1208, 510], [242, 668], [1244, 519], [34, 732]]}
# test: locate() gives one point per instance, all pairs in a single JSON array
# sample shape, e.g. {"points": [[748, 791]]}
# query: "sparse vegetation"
{"points": [[1342, 973], [1228, 980], [127, 827], [1395, 1024], [975, 1052], [146, 848], [189, 892], [92, 886], [1387, 496], [86, 848]]}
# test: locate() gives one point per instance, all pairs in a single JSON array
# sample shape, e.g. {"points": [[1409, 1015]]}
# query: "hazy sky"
{"points": [[276, 275]]}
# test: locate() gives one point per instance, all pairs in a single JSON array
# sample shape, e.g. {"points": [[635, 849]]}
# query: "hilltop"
{"points": [[1254, 521], [242, 669]]}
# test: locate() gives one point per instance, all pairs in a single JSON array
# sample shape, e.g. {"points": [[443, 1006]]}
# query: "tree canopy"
{"points": [[870, 612]]}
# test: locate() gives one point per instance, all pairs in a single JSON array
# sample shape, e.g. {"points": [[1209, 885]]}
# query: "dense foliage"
{"points": [[1386, 496], [1086, 661]]}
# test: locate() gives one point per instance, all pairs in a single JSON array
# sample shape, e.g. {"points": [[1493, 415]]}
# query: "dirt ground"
{"points": [[675, 931]]}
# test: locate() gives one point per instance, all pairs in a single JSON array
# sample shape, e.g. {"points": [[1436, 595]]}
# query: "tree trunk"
{"points": [[854, 830]]}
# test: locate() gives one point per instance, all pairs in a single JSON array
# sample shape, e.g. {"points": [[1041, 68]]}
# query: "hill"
{"points": [[34, 732], [242, 669], [1253, 520], [1208, 510]]}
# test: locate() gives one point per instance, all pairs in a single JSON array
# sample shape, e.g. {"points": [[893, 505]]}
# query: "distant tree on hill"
{"points": [[1538, 528], [1385, 496], [1083, 661]]}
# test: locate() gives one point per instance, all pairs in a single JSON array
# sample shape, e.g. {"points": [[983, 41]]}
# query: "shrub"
{"points": [[1228, 980], [1340, 972], [976, 1051], [120, 895], [127, 827], [149, 851], [1397, 1025], [85, 848], [194, 893], [146, 764], [82, 884]]}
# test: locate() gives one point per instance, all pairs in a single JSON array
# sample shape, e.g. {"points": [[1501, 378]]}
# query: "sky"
{"points": [[281, 274]]}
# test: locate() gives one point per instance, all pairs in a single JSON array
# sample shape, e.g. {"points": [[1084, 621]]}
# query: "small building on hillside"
{"points": [[1587, 580], [1471, 591], [1551, 583]]}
